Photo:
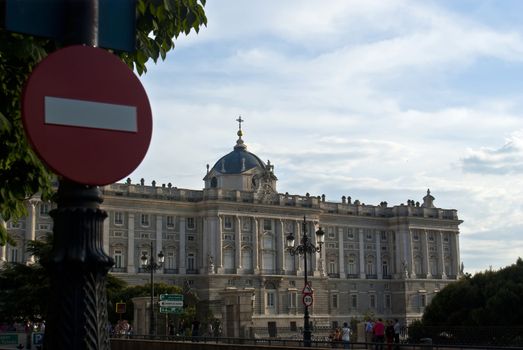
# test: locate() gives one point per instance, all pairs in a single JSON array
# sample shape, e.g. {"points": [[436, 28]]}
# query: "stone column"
{"points": [[130, 245], [341, 253], [219, 255], [379, 268], [398, 268], [280, 246], [362, 253], [182, 254], [106, 234], [411, 254], [255, 245], [30, 229], [442, 257], [297, 238], [237, 244], [3, 249], [455, 241], [425, 247], [159, 239], [203, 244]]}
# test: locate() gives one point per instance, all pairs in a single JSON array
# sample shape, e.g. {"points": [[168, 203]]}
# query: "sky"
{"points": [[377, 100]]}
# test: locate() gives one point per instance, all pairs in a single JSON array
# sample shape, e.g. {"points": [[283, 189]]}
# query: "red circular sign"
{"points": [[87, 115], [307, 300]]}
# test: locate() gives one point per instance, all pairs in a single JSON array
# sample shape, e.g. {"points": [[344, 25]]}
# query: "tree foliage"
{"points": [[24, 289], [22, 174], [490, 298]]}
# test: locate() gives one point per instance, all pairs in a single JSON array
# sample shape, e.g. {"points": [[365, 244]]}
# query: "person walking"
{"points": [[397, 329], [345, 335], [379, 334], [389, 334]]}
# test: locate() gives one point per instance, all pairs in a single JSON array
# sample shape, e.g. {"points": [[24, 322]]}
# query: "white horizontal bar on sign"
{"points": [[88, 114]]}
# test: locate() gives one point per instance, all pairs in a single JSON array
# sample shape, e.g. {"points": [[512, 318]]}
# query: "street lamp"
{"points": [[305, 247], [152, 266]]}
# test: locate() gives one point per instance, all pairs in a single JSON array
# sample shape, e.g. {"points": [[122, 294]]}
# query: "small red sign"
{"points": [[307, 300], [120, 308], [307, 290], [87, 115]]}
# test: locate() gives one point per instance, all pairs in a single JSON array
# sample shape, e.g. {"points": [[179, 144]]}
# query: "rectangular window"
{"points": [[372, 301], [144, 235], [118, 218], [431, 237], [267, 224], [246, 224], [118, 259], [334, 301], [44, 209], [43, 227], [117, 233], [190, 223], [354, 301], [415, 236], [446, 238], [383, 235], [368, 235], [227, 222], [422, 300], [293, 326], [190, 238], [292, 299], [330, 232], [388, 302], [144, 220], [270, 300], [15, 224], [170, 261], [332, 268], [190, 262], [350, 234], [170, 221]]}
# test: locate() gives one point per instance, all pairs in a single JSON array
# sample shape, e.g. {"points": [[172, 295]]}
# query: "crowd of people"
{"points": [[341, 334], [379, 332]]}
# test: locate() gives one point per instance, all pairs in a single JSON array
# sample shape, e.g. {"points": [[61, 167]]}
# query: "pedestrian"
{"points": [[389, 334], [369, 332], [345, 335], [397, 329], [379, 334]]}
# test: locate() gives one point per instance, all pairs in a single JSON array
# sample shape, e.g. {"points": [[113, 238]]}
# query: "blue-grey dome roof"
{"points": [[238, 161]]}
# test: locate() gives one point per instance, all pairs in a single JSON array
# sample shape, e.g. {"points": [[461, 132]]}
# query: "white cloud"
{"points": [[358, 98]]}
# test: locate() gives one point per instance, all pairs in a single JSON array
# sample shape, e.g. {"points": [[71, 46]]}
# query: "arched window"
{"points": [[370, 266], [385, 267], [417, 265], [351, 265]]}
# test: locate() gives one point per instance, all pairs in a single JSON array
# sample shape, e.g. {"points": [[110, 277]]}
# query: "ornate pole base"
{"points": [[307, 336], [78, 266]]}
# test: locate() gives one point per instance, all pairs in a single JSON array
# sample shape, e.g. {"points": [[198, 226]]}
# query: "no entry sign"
{"points": [[87, 115]]}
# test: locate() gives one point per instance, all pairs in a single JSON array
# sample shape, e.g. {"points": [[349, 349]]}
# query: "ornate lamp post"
{"points": [[152, 266], [305, 247]]}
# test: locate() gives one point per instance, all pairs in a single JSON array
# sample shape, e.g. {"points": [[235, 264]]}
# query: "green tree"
{"points": [[24, 289], [22, 174], [490, 298]]}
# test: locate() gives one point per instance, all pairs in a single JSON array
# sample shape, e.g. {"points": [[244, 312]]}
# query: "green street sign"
{"points": [[8, 339], [171, 310], [171, 297]]}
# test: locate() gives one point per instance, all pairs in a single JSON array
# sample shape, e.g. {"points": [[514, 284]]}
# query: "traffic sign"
{"points": [[87, 115], [307, 290], [120, 308], [171, 310], [307, 300], [178, 297], [171, 303]]}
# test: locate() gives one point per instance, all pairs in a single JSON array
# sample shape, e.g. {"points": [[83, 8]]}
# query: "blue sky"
{"points": [[378, 100]]}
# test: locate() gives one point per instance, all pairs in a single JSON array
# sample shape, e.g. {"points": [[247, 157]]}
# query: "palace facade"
{"points": [[228, 243]]}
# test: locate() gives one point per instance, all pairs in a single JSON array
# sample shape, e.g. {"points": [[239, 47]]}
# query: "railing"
{"points": [[296, 342]]}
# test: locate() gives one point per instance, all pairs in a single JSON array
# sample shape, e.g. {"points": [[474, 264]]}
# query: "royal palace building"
{"points": [[228, 243]]}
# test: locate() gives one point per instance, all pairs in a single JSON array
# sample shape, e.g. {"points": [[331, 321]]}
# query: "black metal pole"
{"points": [[78, 266], [306, 326], [77, 317], [152, 325]]}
